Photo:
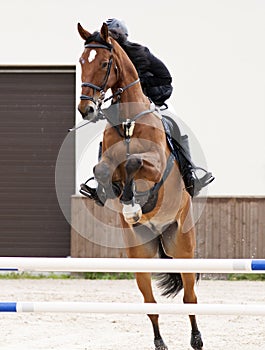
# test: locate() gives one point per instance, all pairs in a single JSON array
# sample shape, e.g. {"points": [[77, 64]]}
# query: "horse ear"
{"points": [[104, 32], [83, 33]]}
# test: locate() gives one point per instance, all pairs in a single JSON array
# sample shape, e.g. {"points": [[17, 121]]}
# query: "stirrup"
{"points": [[204, 181], [90, 192]]}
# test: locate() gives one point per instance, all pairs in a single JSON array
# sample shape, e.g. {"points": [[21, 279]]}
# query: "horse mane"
{"points": [[135, 52], [123, 49]]}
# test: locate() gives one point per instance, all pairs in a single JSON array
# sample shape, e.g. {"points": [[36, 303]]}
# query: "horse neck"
{"points": [[132, 97]]}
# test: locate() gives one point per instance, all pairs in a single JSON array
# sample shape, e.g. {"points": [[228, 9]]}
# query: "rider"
{"points": [[154, 76], [156, 84]]}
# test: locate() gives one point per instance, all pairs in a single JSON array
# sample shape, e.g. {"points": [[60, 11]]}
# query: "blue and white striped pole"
{"points": [[134, 308], [132, 265]]}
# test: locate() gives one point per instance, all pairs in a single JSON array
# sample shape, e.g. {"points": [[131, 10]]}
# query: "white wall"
{"points": [[214, 49]]}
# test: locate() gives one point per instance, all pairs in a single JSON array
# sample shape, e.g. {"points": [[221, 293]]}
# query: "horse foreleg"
{"points": [[132, 211], [132, 166], [144, 284], [103, 172]]}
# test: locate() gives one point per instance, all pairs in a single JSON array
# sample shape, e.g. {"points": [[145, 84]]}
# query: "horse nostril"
{"points": [[87, 111], [90, 110]]}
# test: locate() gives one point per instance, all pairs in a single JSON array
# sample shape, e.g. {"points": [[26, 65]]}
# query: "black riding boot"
{"points": [[189, 171]]}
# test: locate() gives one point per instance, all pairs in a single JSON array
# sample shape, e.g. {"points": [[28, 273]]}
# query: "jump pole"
{"points": [[132, 265], [134, 308]]}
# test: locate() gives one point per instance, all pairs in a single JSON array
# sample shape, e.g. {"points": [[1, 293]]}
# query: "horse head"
{"points": [[105, 65], [98, 72]]}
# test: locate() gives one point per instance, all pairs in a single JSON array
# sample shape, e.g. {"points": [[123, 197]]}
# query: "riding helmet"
{"points": [[117, 29]]}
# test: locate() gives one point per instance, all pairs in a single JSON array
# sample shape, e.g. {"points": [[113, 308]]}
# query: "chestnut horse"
{"points": [[137, 171]]}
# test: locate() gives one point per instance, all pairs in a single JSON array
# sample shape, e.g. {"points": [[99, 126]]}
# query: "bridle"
{"points": [[102, 87], [100, 44]]}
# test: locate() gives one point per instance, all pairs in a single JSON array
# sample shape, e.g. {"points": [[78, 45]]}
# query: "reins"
{"points": [[121, 90]]}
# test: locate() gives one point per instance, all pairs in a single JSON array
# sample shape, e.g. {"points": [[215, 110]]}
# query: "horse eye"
{"points": [[104, 64]]}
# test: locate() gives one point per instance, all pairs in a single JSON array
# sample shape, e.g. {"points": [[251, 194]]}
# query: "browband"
{"points": [[101, 43]]}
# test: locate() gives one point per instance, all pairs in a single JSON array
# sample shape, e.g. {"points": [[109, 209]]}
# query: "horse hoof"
{"points": [[196, 341], [160, 345], [132, 213]]}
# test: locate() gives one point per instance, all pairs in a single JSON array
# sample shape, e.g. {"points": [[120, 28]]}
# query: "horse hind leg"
{"points": [[186, 240], [177, 244], [144, 284], [144, 247], [190, 297]]}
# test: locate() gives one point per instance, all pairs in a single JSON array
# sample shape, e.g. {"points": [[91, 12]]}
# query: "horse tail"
{"points": [[171, 283]]}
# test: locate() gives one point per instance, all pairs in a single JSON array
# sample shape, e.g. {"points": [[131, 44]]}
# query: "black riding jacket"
{"points": [[154, 75]]}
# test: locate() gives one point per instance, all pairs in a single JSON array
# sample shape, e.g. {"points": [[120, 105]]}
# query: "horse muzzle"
{"points": [[87, 109], [132, 213]]}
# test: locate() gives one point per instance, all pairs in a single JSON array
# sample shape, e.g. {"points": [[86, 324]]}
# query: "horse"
{"points": [[137, 171]]}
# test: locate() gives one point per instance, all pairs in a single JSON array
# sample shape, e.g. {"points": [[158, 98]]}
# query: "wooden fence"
{"points": [[228, 227]]}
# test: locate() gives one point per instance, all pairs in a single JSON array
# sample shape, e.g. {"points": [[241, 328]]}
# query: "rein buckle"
{"points": [[102, 95]]}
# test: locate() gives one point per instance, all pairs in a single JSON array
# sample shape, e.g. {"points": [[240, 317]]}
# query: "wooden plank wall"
{"points": [[232, 228], [95, 231], [229, 227]]}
